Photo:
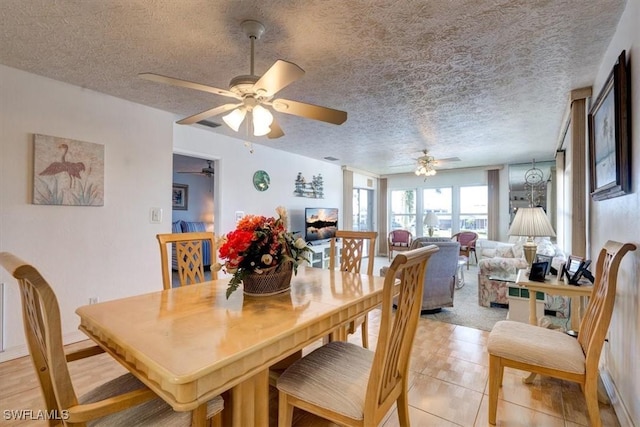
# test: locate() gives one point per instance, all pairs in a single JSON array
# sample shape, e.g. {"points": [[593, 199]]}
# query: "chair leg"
{"points": [[403, 408], [495, 382], [216, 420], [199, 416], [365, 331], [285, 411], [591, 397]]}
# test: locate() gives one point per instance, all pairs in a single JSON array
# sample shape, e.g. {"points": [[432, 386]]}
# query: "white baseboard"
{"points": [[624, 418], [22, 350]]}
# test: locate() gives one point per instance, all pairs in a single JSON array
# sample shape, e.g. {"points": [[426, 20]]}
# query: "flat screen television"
{"points": [[320, 223]]}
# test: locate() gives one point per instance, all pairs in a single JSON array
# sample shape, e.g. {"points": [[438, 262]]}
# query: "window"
{"points": [[439, 201], [403, 210], [362, 209], [473, 209]]}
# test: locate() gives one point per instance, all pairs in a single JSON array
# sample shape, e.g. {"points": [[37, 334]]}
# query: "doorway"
{"points": [[196, 176]]}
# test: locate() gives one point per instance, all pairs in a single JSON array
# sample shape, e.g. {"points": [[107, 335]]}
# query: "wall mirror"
{"points": [[532, 184]]}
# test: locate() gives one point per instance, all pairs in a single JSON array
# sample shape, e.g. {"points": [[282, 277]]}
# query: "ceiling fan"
{"points": [[253, 94], [426, 163], [206, 171]]}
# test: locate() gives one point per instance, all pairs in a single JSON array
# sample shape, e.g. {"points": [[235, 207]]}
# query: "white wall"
{"points": [[618, 219], [111, 251], [105, 252]]}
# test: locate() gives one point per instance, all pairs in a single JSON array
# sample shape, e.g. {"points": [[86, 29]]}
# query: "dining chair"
{"points": [[467, 240], [121, 401], [352, 252], [193, 251], [556, 354], [399, 240], [354, 386]]}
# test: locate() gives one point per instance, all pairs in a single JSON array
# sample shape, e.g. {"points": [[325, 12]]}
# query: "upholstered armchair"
{"points": [[440, 278], [467, 240], [399, 240]]}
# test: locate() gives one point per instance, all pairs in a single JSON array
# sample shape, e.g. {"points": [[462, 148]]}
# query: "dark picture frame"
{"points": [[575, 268], [609, 131], [547, 259], [180, 197], [538, 271]]}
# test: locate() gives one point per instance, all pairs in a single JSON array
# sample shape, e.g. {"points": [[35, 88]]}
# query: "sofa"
{"points": [[440, 277], [189, 227], [503, 260]]}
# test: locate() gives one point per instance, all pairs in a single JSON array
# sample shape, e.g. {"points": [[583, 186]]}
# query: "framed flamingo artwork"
{"points": [[67, 172]]}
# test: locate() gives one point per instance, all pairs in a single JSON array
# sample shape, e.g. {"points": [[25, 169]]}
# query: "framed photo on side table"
{"points": [[609, 132], [547, 259], [538, 271], [180, 197], [575, 268]]}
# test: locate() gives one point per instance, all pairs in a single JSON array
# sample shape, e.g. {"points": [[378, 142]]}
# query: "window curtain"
{"points": [[347, 199], [493, 183]]}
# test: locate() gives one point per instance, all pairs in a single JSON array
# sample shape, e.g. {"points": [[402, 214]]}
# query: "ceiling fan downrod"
{"points": [[254, 30]]}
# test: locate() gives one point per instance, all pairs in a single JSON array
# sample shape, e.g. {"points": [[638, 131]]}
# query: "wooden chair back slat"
{"points": [[353, 250], [189, 255], [41, 315], [397, 330], [595, 322]]}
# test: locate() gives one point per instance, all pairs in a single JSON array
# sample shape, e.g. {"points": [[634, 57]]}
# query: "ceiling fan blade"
{"points": [[310, 111], [208, 113], [280, 75], [185, 83], [276, 130]]}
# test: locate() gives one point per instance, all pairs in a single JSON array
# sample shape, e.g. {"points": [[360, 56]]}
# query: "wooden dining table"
{"points": [[191, 343]]}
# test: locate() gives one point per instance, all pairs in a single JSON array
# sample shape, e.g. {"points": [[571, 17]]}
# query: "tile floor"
{"points": [[448, 385], [449, 375]]}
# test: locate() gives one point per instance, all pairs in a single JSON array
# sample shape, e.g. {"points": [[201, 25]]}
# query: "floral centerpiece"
{"points": [[260, 245]]}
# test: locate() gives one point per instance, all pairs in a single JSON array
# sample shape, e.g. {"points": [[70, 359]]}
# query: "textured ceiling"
{"points": [[485, 81]]}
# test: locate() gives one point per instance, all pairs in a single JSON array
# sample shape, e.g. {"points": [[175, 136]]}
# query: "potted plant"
{"points": [[261, 254]]}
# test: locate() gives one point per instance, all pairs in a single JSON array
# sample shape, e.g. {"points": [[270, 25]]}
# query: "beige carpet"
{"points": [[466, 311]]}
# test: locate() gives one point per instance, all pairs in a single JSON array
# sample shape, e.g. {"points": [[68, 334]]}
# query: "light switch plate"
{"points": [[239, 215], [155, 215]]}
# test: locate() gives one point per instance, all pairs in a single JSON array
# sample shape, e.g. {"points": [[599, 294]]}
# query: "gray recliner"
{"points": [[440, 278]]}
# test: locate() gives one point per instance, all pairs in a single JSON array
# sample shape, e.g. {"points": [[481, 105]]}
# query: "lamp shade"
{"points": [[431, 219], [234, 119], [531, 222], [262, 119]]}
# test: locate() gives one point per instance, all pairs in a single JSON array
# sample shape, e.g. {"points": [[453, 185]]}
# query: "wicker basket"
{"points": [[270, 282]]}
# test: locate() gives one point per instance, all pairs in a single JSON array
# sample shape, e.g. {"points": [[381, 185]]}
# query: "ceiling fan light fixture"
{"points": [[425, 166], [235, 118], [262, 119]]}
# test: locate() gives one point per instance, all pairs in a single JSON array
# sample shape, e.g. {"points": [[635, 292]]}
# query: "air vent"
{"points": [[209, 123], [331, 159]]}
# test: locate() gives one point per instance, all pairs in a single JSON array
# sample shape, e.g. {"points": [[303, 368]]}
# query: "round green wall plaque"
{"points": [[261, 180]]}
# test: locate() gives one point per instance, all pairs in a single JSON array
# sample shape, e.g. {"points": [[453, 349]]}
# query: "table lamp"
{"points": [[531, 222], [431, 220]]}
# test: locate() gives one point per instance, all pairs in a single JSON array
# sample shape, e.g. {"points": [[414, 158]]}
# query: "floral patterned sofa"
{"points": [[498, 260]]}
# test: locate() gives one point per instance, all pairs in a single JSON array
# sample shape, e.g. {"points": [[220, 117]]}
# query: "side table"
{"points": [[554, 287], [462, 260], [519, 301]]}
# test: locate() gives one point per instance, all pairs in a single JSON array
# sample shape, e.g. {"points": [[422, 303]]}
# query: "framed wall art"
{"points": [[67, 172], [609, 131], [180, 197]]}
